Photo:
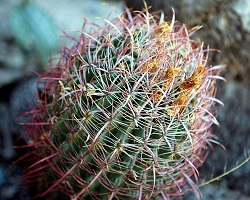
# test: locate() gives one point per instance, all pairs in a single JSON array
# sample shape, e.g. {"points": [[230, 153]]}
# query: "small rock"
{"points": [[242, 8]]}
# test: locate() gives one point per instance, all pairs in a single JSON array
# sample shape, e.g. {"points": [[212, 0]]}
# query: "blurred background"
{"points": [[33, 31]]}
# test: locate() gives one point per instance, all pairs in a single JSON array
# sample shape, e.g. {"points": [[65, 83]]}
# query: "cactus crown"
{"points": [[125, 113]]}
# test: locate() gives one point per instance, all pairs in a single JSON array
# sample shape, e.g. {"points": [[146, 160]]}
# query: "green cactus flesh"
{"points": [[125, 113]]}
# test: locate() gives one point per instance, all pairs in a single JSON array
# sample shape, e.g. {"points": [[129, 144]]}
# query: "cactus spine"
{"points": [[126, 113]]}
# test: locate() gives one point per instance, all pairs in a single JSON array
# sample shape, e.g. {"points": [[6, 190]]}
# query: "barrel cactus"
{"points": [[126, 113]]}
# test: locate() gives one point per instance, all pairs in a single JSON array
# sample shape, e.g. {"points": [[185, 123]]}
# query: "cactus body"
{"points": [[126, 113]]}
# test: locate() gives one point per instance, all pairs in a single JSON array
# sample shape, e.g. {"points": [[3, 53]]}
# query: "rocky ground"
{"points": [[226, 27]]}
